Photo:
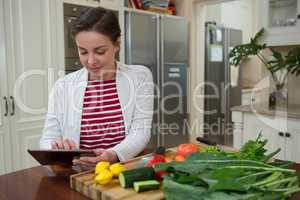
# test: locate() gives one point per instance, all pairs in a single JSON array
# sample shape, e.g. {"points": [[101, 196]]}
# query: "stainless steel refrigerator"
{"points": [[161, 44], [222, 82]]}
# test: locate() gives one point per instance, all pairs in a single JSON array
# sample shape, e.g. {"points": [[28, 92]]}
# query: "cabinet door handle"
{"points": [[6, 106], [12, 105], [281, 134], [288, 135]]}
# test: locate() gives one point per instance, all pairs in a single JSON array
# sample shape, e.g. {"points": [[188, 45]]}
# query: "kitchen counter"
{"points": [[292, 111], [39, 183]]}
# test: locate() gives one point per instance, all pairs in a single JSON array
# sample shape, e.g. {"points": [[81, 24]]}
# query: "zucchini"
{"points": [[127, 178], [141, 186]]}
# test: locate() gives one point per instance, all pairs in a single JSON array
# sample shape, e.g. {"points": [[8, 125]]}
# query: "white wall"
{"points": [[235, 14], [239, 15], [214, 13]]}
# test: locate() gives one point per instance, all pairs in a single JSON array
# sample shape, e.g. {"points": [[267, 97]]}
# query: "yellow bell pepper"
{"points": [[101, 166], [116, 169], [103, 177]]}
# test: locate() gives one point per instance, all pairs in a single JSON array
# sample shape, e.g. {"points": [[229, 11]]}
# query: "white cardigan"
{"points": [[135, 89]]}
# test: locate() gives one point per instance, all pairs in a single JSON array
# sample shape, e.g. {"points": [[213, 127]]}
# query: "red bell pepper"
{"points": [[155, 159]]}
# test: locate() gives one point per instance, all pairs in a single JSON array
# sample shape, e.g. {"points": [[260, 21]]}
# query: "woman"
{"points": [[106, 106]]}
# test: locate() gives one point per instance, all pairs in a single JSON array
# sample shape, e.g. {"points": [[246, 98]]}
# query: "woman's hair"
{"points": [[100, 20]]}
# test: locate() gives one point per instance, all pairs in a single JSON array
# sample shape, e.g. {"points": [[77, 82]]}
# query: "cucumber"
{"points": [[127, 178], [141, 186]]}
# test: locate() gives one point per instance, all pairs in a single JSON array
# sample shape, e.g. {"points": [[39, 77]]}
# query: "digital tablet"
{"points": [[58, 157]]}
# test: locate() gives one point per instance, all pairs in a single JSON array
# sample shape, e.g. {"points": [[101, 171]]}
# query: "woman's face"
{"points": [[96, 52]]}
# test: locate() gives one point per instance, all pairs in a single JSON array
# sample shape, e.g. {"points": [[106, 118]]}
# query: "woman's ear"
{"points": [[118, 44]]}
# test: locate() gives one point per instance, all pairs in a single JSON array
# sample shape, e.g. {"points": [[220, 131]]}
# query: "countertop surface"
{"points": [[291, 111], [39, 183]]}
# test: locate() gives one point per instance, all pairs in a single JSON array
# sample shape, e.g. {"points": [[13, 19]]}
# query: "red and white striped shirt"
{"points": [[102, 123]]}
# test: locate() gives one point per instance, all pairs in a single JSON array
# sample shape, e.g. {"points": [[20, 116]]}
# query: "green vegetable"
{"points": [[211, 149], [219, 175], [251, 150], [141, 186], [240, 179], [127, 178]]}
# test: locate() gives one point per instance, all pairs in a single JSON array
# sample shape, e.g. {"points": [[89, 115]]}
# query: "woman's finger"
{"points": [[59, 143], [83, 163], [93, 160], [84, 167], [54, 145], [109, 156], [66, 144], [72, 144]]}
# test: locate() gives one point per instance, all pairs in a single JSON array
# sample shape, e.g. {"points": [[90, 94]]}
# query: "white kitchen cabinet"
{"points": [[269, 128], [293, 140], [5, 162], [281, 132], [281, 18], [28, 66]]}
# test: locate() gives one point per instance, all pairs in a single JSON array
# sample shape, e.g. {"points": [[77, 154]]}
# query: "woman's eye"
{"points": [[100, 52], [83, 53]]}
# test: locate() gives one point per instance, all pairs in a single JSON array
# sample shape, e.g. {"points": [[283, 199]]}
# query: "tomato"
{"points": [[187, 149], [156, 159], [179, 158]]}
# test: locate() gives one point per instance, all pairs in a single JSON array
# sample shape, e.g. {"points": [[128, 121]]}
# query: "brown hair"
{"points": [[98, 19]]}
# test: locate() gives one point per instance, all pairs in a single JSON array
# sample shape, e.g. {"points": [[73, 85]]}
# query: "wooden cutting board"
{"points": [[84, 184]]}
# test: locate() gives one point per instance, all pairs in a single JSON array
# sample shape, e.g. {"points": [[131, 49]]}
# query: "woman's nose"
{"points": [[91, 59]]}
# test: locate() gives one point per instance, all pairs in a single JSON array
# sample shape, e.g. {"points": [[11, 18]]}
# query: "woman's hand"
{"points": [[63, 144], [90, 162]]}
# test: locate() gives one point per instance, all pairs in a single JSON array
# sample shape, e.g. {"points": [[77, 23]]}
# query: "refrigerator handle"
{"points": [[159, 79], [128, 15]]}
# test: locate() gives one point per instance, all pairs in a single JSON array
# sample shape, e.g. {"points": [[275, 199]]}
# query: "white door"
{"points": [[5, 164], [30, 57]]}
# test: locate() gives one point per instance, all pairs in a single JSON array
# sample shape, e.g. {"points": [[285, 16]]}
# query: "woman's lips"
{"points": [[95, 69]]}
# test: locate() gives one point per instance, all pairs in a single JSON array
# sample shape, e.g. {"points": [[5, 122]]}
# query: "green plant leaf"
{"points": [[291, 62]]}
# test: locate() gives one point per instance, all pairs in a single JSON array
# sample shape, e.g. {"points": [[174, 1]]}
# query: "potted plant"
{"points": [[277, 64]]}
